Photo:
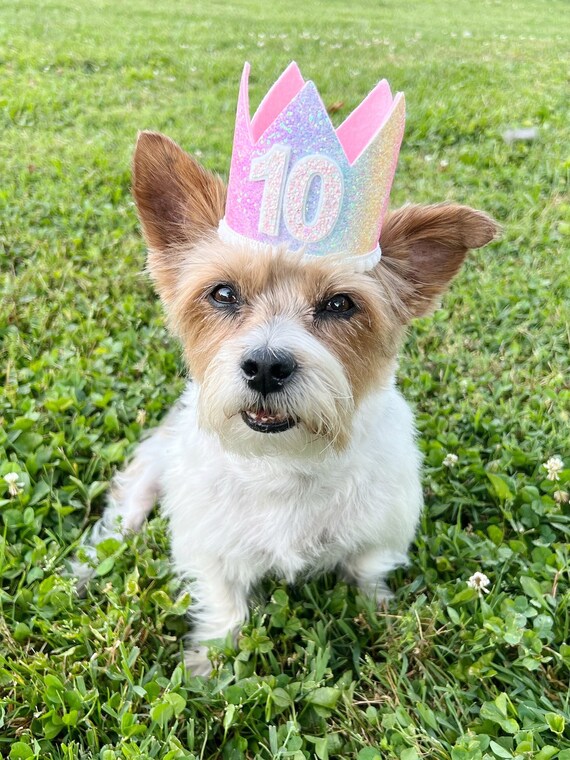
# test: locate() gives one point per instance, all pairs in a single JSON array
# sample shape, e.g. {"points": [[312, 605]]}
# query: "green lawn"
{"points": [[84, 356]]}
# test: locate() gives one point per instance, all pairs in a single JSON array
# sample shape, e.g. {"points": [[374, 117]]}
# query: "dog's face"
{"points": [[284, 349]]}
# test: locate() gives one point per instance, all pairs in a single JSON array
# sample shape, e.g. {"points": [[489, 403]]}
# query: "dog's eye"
{"points": [[224, 295], [339, 304]]}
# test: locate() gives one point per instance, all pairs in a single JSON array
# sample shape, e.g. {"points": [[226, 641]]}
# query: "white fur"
{"points": [[235, 519], [243, 504]]}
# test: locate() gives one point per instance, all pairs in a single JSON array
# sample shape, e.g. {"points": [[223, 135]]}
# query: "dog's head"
{"points": [[284, 349]]}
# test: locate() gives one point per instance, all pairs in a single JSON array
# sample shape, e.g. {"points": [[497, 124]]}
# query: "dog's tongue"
{"points": [[264, 418]]}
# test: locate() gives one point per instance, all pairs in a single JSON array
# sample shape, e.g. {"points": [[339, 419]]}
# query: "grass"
{"points": [[84, 356]]}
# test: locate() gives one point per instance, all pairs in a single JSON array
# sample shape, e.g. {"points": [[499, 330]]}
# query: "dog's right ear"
{"points": [[179, 202], [423, 248]]}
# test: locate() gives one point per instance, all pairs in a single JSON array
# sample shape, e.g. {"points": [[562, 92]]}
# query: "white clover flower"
{"points": [[451, 460], [561, 497], [14, 484], [554, 466], [479, 581]]}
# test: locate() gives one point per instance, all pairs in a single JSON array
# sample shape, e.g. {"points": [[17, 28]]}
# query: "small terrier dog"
{"points": [[291, 452]]}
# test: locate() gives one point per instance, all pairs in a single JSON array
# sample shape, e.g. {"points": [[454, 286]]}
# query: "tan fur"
{"points": [[178, 202], [423, 247], [279, 283], [180, 205]]}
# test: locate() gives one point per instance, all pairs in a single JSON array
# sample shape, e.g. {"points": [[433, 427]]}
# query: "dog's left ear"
{"points": [[179, 202], [424, 247]]}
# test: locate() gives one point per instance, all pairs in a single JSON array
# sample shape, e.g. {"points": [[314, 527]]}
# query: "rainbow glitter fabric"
{"points": [[297, 182]]}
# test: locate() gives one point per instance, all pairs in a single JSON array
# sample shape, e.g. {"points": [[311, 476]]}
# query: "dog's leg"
{"points": [[219, 607], [133, 494], [135, 491], [369, 570]]}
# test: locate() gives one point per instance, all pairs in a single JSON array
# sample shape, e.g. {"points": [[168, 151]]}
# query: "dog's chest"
{"points": [[300, 516], [319, 523], [270, 515], [289, 522]]}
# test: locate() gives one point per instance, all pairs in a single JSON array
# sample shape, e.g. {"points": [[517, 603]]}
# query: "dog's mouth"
{"points": [[263, 422]]}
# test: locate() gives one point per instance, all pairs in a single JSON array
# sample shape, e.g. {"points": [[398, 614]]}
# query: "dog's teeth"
{"points": [[262, 418]]}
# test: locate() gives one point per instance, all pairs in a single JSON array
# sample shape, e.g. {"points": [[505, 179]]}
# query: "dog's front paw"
{"points": [[378, 592], [383, 596], [196, 661], [81, 567]]}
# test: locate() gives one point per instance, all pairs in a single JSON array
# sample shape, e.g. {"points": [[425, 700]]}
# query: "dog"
{"points": [[291, 451]]}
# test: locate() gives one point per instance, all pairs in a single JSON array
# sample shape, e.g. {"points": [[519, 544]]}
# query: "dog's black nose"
{"points": [[267, 371]]}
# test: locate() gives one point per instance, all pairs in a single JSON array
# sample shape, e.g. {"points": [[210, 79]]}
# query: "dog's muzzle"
{"points": [[267, 372]]}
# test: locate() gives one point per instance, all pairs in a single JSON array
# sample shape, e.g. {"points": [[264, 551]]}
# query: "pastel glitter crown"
{"points": [[297, 182]]}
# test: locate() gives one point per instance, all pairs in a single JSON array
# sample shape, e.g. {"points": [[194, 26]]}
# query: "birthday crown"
{"points": [[297, 182]]}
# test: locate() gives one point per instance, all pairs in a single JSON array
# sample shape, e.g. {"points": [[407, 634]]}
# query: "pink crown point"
{"points": [[297, 182]]}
